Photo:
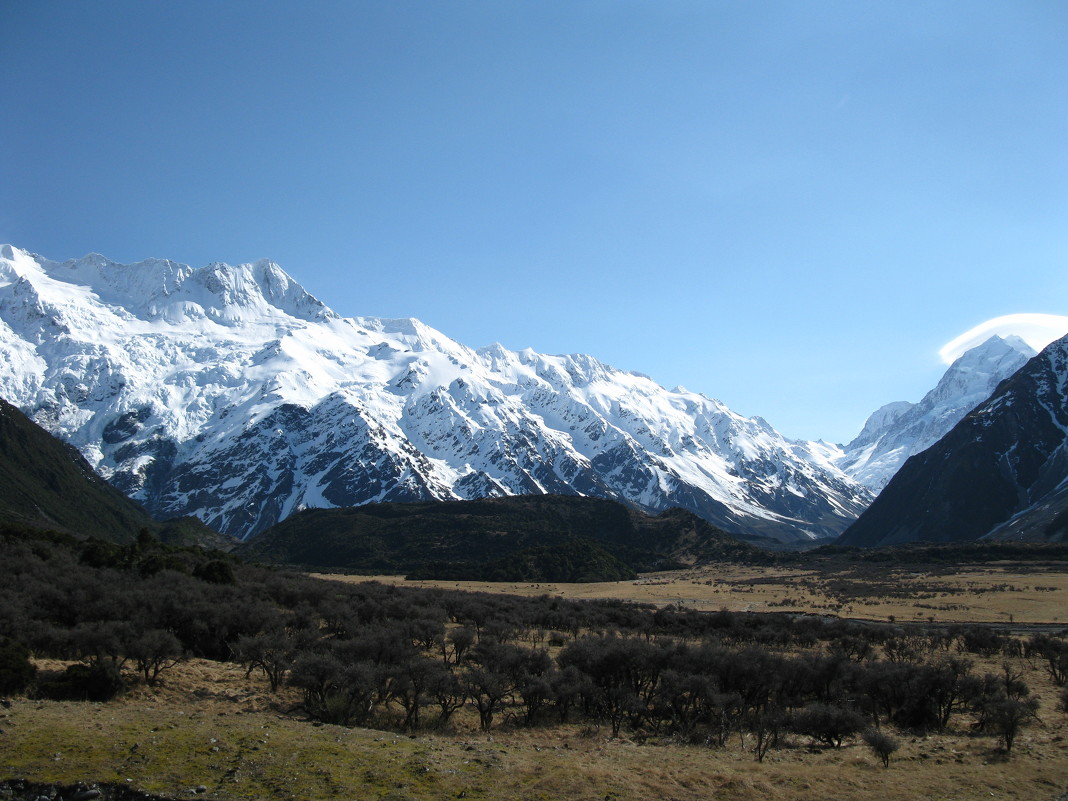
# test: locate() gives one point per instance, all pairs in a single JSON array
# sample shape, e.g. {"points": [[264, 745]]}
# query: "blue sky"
{"points": [[788, 206]]}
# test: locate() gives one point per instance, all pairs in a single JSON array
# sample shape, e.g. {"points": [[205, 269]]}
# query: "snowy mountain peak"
{"points": [[163, 290], [252, 291], [993, 350], [976, 373], [232, 394], [899, 430], [1000, 472]]}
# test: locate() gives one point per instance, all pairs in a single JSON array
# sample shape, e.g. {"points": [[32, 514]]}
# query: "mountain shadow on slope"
{"points": [[518, 538], [1000, 472], [47, 484]]}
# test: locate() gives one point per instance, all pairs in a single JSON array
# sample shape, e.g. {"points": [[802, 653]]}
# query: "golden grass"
{"points": [[997, 593], [209, 725]]}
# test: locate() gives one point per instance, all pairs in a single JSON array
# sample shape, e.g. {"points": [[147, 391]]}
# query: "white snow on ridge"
{"points": [[231, 393], [899, 430]]}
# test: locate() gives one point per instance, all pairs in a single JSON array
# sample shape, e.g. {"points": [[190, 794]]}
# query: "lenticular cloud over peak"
{"points": [[1037, 330]]}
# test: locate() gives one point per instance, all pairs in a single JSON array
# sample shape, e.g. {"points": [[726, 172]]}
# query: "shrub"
{"points": [[1055, 652], [881, 744], [100, 681], [16, 669], [981, 640], [1008, 715], [215, 572], [154, 651], [828, 724]]}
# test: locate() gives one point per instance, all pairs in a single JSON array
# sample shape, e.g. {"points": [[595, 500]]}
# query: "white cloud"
{"points": [[1037, 330]]}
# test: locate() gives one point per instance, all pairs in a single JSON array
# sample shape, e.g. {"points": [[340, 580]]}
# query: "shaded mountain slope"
{"points": [[48, 484], [45, 483], [1005, 458]]}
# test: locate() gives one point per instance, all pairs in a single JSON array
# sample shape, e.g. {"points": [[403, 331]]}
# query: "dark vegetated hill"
{"points": [[929, 553], [47, 484], [518, 538]]}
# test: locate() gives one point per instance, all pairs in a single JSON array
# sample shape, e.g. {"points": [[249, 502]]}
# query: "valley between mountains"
{"points": [[593, 587]]}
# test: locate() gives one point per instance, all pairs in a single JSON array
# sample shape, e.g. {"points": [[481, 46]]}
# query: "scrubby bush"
{"points": [[1054, 653], [981, 640], [828, 723], [1007, 716], [154, 651], [100, 681], [881, 744], [16, 670], [215, 572]]}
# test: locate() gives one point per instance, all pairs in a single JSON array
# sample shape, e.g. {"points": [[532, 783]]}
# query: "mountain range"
{"points": [[1000, 473], [233, 395]]}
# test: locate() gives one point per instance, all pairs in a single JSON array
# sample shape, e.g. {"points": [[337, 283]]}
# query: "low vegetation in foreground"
{"points": [[182, 672]]}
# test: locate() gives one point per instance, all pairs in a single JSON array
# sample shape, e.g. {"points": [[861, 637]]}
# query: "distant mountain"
{"points": [[1001, 472], [902, 429], [520, 538], [233, 395], [47, 484]]}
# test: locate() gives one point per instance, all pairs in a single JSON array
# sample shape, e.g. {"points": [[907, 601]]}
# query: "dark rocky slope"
{"points": [[1007, 459]]}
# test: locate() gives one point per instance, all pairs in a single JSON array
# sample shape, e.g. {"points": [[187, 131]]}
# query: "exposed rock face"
{"points": [[1001, 472], [899, 430]]}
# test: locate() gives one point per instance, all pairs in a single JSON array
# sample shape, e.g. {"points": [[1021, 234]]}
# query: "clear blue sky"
{"points": [[790, 206]]}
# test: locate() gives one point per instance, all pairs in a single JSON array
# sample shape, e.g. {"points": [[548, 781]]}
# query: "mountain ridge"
{"points": [[1001, 472], [210, 398], [898, 430], [234, 395]]}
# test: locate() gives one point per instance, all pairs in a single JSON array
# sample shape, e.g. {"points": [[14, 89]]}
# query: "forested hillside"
{"points": [[521, 538], [46, 483]]}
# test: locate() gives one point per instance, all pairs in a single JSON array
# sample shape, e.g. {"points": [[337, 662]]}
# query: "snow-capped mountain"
{"points": [[232, 394], [1000, 473], [899, 430]]}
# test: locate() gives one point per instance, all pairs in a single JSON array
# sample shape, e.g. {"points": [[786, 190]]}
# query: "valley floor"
{"points": [[1023, 593], [210, 731]]}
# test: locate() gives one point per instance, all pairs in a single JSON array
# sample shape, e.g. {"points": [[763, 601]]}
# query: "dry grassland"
{"points": [[210, 726], [994, 593]]}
